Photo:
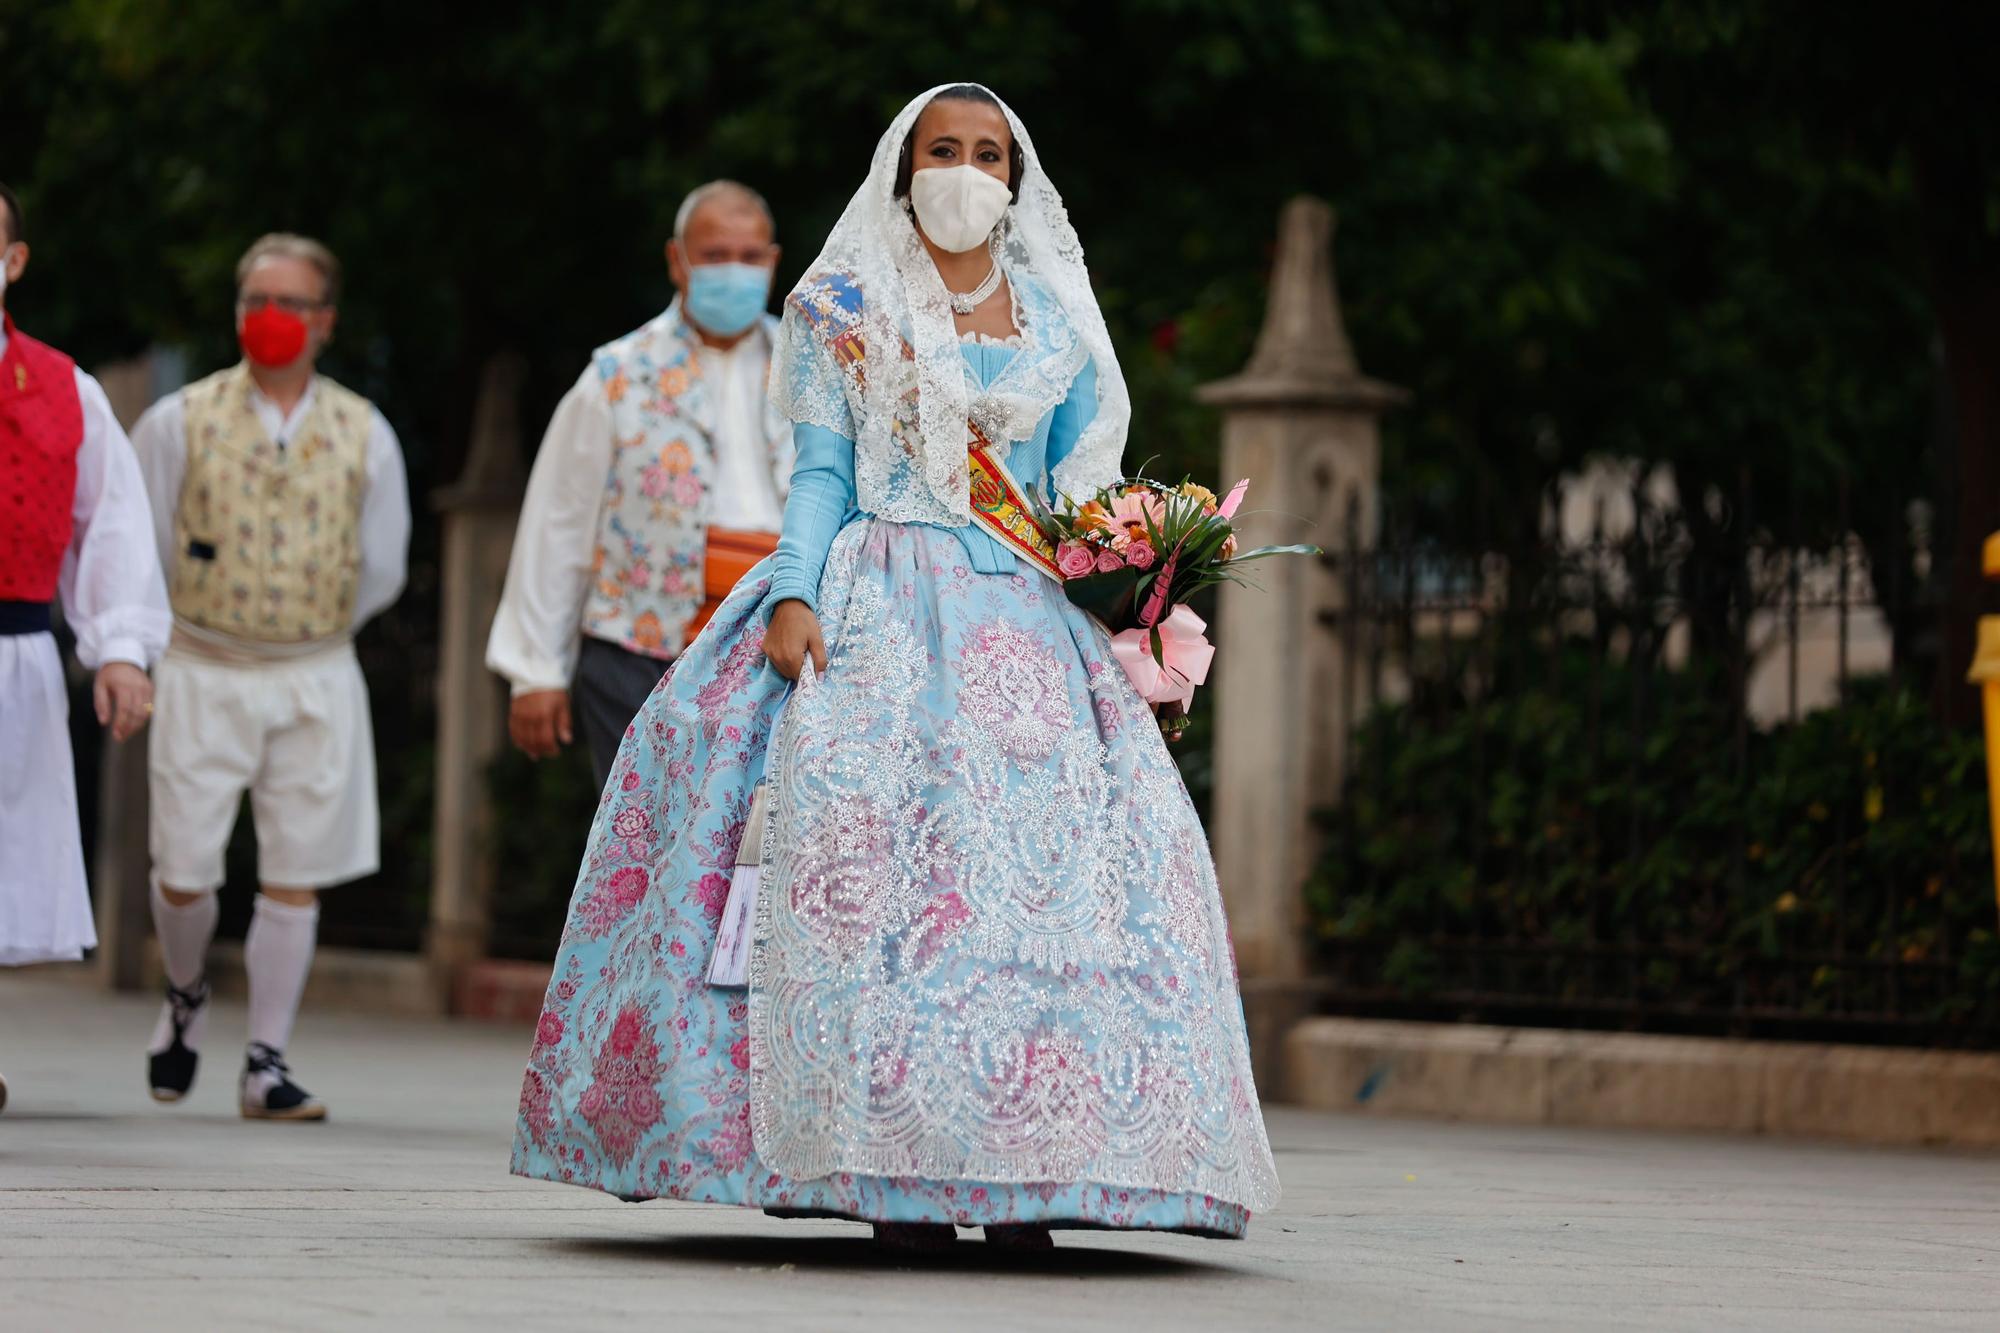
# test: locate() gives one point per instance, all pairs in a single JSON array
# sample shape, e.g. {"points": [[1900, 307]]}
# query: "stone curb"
{"points": [[365, 981], [380, 981], [1537, 1076], [497, 990]]}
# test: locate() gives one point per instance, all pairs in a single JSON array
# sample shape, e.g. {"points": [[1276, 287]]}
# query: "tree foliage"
{"points": [[1715, 235], [1569, 228]]}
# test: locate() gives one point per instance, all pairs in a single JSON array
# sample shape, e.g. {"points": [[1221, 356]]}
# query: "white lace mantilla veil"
{"points": [[875, 243]]}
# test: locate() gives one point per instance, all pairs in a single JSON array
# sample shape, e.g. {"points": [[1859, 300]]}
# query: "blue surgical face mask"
{"points": [[726, 299]]}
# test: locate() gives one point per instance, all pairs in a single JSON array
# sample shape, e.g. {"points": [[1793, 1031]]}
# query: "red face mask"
{"points": [[272, 337]]}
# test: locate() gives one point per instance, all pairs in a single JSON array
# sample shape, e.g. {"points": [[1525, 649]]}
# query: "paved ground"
{"points": [[398, 1213]]}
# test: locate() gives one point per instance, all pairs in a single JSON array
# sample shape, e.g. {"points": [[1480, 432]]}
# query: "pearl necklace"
{"points": [[964, 303]]}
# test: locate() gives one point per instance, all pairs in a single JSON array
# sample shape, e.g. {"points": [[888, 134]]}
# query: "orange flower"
{"points": [[646, 631], [614, 388], [1092, 518], [673, 381], [677, 458]]}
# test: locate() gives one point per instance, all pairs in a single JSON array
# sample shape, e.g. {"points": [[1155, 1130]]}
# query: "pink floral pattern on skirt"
{"points": [[639, 1079]]}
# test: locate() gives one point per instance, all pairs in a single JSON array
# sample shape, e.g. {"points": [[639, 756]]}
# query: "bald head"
{"points": [[723, 197]]}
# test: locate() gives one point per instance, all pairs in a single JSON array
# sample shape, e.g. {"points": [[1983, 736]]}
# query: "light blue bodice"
{"points": [[822, 499]]}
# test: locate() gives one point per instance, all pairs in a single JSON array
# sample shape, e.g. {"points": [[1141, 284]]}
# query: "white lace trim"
{"points": [[990, 944], [918, 474]]}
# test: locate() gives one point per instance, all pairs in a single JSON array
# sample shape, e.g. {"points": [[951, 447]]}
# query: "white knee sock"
{"points": [[277, 953], [185, 932]]}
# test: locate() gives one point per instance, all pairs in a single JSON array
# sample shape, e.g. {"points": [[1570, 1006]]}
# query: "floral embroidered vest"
{"points": [[41, 429], [652, 527], [268, 537]]}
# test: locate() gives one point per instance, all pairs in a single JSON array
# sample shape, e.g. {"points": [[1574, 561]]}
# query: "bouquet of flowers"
{"points": [[1132, 555]]}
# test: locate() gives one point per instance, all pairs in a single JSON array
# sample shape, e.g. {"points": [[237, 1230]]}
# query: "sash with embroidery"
{"points": [[1000, 504]]}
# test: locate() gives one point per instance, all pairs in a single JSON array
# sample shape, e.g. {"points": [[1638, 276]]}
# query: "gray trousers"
{"points": [[612, 685]]}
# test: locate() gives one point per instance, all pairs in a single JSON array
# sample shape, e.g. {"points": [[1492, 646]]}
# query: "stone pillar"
{"points": [[121, 864], [479, 512], [1300, 422]]}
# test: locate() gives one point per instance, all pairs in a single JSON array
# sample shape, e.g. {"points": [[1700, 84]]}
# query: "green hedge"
{"points": [[1540, 852]]}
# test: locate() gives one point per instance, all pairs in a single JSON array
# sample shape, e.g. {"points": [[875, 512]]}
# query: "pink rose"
{"points": [[1075, 560], [1139, 555], [550, 1030], [1109, 562], [739, 1053], [687, 489]]}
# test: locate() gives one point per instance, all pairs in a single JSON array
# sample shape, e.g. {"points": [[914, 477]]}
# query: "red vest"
{"points": [[41, 428]]}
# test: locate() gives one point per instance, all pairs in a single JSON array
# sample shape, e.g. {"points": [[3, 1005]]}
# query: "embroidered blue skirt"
{"points": [[991, 980]]}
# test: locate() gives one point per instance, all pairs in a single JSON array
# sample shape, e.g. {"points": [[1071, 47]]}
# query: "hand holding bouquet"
{"points": [[1132, 555]]}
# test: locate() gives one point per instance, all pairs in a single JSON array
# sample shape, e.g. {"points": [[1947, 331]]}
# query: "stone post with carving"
{"points": [[1300, 422], [479, 512]]}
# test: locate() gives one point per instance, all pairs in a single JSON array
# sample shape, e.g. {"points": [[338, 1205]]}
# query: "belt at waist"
{"points": [[192, 641], [25, 618]]}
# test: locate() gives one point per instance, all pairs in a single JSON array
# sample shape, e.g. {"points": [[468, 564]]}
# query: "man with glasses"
{"points": [[73, 524], [661, 480], [283, 523]]}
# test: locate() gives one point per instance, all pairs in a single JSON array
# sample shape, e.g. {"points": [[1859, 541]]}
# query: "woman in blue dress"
{"points": [[991, 983]]}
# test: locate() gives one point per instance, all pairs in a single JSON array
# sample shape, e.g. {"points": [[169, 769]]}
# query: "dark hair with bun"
{"points": [[906, 165]]}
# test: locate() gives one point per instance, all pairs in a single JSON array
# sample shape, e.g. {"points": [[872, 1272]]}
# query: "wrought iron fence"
{"points": [[1648, 777]]}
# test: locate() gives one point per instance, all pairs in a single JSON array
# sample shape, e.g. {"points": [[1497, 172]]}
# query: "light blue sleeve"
{"points": [[819, 506], [1072, 417]]}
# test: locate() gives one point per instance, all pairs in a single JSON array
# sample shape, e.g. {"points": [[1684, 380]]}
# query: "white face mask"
{"points": [[6, 252], [958, 207]]}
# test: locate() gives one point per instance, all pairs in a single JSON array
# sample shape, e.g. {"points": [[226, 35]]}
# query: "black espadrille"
{"points": [[170, 1073], [268, 1092]]}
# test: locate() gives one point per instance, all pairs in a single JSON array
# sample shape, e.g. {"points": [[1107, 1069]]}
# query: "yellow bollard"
{"points": [[1985, 673]]}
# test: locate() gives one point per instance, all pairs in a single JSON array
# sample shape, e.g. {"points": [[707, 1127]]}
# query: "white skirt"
{"points": [[44, 898]]}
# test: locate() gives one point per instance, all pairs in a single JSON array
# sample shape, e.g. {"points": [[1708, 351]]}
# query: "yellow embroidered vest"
{"points": [[268, 537]]}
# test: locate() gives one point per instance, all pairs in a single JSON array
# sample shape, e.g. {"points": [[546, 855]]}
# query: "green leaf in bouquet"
{"points": [[1113, 598], [1205, 543], [1263, 552]]}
